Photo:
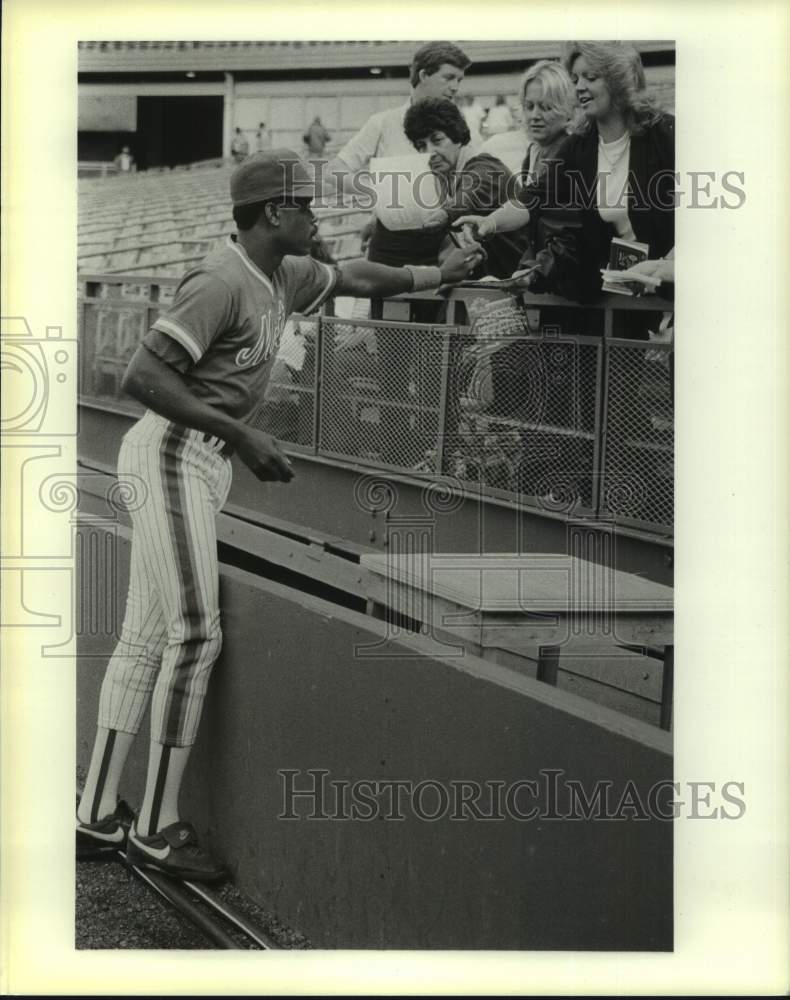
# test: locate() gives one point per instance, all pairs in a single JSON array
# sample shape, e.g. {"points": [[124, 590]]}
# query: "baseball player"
{"points": [[201, 371]]}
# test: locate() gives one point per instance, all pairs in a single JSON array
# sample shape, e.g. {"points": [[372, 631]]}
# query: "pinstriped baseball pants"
{"points": [[171, 632]]}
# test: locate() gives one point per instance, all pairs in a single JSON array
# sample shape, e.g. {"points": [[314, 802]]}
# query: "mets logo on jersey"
{"points": [[272, 323]]}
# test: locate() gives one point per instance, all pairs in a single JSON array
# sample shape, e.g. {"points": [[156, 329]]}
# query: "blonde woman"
{"points": [[614, 176], [548, 104]]}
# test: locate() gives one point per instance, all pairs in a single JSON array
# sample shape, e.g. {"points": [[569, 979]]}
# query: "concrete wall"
{"points": [[288, 106], [290, 693]]}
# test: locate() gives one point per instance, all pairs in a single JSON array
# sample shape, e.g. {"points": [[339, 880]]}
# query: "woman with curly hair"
{"points": [[614, 176], [469, 181]]}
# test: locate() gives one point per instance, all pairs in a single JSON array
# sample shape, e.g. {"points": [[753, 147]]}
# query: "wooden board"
{"points": [[541, 583]]}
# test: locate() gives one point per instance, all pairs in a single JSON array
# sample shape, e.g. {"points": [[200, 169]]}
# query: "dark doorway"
{"points": [[104, 146], [172, 130]]}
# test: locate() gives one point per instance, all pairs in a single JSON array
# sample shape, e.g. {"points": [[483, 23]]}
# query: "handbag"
{"points": [[557, 246]]}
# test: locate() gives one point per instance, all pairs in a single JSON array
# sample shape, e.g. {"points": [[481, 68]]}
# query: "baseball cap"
{"points": [[269, 176]]}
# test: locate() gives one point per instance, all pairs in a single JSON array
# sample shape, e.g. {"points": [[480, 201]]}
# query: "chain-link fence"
{"points": [[638, 448], [522, 413], [381, 391], [289, 409], [514, 404], [522, 417]]}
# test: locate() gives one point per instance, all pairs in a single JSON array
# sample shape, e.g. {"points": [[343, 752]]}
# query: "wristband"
{"points": [[424, 278]]}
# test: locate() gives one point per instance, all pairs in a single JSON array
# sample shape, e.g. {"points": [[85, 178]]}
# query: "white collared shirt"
{"points": [[381, 135]]}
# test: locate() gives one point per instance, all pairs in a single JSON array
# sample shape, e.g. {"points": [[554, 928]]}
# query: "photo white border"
{"points": [[731, 916]]}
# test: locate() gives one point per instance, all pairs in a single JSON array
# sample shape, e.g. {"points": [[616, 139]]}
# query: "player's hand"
{"points": [[474, 227], [260, 453], [460, 262]]}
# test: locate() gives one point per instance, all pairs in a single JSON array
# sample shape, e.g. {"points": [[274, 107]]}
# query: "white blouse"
{"points": [[612, 188]]}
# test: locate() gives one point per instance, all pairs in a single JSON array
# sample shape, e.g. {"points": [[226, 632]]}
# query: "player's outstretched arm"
{"points": [[364, 279], [162, 389]]}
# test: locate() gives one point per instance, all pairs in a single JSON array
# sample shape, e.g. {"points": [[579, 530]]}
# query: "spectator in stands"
{"points": [[437, 70], [466, 178], [239, 147], [470, 181], [622, 152], [124, 161], [263, 139], [316, 137], [499, 118], [548, 105]]}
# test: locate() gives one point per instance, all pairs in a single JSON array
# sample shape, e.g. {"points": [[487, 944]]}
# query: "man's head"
{"points": [[437, 70], [438, 128], [272, 194]]}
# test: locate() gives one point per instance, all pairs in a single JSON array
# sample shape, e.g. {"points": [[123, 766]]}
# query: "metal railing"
{"points": [[540, 403], [97, 168]]}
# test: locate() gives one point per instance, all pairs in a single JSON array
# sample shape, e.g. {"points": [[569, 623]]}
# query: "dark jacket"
{"points": [[479, 186], [564, 198]]}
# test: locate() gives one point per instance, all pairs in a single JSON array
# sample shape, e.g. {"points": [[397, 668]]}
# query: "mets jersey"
{"points": [[228, 316]]}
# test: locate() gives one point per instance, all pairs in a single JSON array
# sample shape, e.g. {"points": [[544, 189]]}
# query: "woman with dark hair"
{"points": [[469, 181], [614, 177]]}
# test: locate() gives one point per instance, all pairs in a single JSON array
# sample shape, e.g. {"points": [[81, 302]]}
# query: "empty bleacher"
{"points": [[160, 224]]}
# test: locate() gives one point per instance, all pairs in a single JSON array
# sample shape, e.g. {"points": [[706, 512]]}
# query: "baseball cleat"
{"points": [[106, 836], [174, 851]]}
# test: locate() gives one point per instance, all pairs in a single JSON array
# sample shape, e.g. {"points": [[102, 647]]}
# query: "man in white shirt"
{"points": [[437, 70]]}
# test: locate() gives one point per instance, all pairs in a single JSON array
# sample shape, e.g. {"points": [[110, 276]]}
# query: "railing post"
{"points": [[318, 369], [601, 413]]}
